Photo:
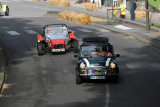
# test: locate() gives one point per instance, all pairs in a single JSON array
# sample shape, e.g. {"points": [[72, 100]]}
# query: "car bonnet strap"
{"points": [[107, 61], [87, 62]]}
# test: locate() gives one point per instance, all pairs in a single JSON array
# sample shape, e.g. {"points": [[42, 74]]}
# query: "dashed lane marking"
{"points": [[13, 33], [107, 96], [85, 30], [103, 30], [123, 27], [30, 32]]}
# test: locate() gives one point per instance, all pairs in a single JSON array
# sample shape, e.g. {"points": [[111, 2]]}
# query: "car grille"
{"points": [[58, 46]]}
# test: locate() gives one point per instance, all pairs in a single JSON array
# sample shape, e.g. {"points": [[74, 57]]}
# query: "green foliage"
{"points": [[154, 3], [155, 25]]}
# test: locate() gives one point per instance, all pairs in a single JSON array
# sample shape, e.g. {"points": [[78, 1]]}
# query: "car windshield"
{"points": [[96, 51], [56, 32]]}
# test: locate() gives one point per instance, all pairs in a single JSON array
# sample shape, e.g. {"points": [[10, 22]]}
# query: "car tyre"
{"points": [[40, 48], [115, 79], [78, 80], [75, 48], [7, 11]]}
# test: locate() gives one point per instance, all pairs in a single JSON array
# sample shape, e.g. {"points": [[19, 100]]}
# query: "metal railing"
{"points": [[113, 16]]}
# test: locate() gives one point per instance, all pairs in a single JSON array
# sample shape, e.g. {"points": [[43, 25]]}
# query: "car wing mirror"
{"points": [[75, 56], [117, 55]]}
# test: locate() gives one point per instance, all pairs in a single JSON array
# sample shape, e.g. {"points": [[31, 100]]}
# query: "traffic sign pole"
{"points": [[132, 10], [147, 16]]}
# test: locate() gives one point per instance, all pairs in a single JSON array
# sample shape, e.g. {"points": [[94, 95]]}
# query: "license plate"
{"points": [[57, 50], [97, 77]]}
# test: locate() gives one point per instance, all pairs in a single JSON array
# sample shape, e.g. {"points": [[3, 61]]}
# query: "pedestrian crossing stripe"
{"points": [[103, 30], [30, 31], [123, 27], [13, 33], [85, 30]]}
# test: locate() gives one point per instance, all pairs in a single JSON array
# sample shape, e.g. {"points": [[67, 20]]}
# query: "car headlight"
{"points": [[113, 65], [82, 65]]}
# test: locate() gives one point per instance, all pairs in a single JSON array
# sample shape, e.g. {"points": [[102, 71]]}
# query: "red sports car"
{"points": [[56, 38]]}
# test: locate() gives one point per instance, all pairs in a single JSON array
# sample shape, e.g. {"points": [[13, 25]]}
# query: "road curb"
{"points": [[152, 28], [143, 40], [2, 69]]}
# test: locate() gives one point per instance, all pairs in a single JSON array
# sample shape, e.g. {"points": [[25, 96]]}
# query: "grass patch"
{"points": [[154, 3], [155, 25]]}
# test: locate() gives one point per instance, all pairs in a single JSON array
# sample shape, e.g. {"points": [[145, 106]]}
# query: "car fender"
{"points": [[40, 38], [71, 35]]}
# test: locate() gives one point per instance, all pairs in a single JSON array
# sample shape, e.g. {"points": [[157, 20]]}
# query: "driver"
{"points": [[48, 31], [94, 52]]}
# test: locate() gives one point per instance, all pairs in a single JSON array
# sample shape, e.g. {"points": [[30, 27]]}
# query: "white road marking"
{"points": [[5, 27], [103, 30], [85, 30], [16, 0], [107, 96], [30, 32], [123, 27], [102, 35], [13, 33]]}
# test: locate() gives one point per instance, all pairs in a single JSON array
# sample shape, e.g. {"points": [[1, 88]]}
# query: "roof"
{"points": [[95, 43], [95, 39]]}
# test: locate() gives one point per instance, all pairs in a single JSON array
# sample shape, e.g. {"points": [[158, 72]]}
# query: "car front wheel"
{"points": [[115, 79], [75, 48], [40, 48], [78, 80]]}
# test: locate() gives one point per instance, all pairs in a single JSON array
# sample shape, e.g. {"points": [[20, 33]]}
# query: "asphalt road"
{"points": [[49, 80]]}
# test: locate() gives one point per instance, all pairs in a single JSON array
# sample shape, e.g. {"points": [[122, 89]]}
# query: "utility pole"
{"points": [[132, 10], [112, 8], [147, 16]]}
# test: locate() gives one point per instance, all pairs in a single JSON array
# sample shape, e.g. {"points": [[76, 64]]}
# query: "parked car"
{"points": [[56, 38], [4, 9], [96, 60]]}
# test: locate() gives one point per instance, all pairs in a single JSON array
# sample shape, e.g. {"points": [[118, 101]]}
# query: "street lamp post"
{"points": [[147, 16]]}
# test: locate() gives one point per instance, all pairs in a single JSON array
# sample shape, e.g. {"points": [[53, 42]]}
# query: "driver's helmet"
{"points": [[48, 30]]}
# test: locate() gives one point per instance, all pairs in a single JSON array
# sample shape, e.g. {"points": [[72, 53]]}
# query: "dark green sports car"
{"points": [[96, 60]]}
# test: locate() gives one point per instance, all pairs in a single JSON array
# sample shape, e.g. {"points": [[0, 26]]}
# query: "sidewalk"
{"points": [[2, 69], [138, 21], [139, 32]]}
